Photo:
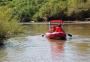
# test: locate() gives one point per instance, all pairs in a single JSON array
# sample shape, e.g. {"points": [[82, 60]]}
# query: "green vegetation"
{"points": [[8, 26], [39, 10]]}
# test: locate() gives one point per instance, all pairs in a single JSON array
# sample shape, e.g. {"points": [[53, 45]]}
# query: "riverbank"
{"points": [[65, 22]]}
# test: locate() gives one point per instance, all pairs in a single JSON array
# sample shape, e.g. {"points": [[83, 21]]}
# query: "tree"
{"points": [[50, 8]]}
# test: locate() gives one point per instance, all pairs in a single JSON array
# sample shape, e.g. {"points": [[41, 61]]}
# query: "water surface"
{"points": [[35, 48]]}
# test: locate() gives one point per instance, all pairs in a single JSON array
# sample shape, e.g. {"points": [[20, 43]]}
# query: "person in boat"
{"points": [[59, 29], [52, 29]]}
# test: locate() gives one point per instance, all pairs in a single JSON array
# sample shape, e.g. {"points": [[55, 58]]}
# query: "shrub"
{"points": [[8, 26]]}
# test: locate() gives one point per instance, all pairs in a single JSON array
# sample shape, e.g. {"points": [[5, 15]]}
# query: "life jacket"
{"points": [[59, 29]]}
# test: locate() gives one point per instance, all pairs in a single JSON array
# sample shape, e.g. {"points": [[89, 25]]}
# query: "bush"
{"points": [[8, 26]]}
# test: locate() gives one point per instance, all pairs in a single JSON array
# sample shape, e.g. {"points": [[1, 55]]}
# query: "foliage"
{"points": [[28, 10], [25, 8], [50, 8], [8, 27]]}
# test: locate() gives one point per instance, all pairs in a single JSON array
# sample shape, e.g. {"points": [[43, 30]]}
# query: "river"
{"points": [[34, 48]]}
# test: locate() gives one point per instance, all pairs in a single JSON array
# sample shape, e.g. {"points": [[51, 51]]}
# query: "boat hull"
{"points": [[56, 35]]}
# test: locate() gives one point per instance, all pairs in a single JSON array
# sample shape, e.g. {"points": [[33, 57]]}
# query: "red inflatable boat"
{"points": [[56, 35]]}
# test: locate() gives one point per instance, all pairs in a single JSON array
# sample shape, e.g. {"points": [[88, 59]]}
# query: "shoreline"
{"points": [[65, 22]]}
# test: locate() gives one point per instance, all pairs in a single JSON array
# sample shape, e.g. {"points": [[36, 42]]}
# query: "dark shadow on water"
{"points": [[2, 43]]}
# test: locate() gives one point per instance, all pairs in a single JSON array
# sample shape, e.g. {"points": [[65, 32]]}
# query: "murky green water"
{"points": [[35, 48]]}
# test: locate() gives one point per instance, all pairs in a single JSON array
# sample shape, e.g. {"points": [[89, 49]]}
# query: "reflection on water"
{"points": [[57, 49], [40, 49], [57, 46]]}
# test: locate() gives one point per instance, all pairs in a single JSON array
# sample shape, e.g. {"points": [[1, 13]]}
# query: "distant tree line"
{"points": [[45, 10]]}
